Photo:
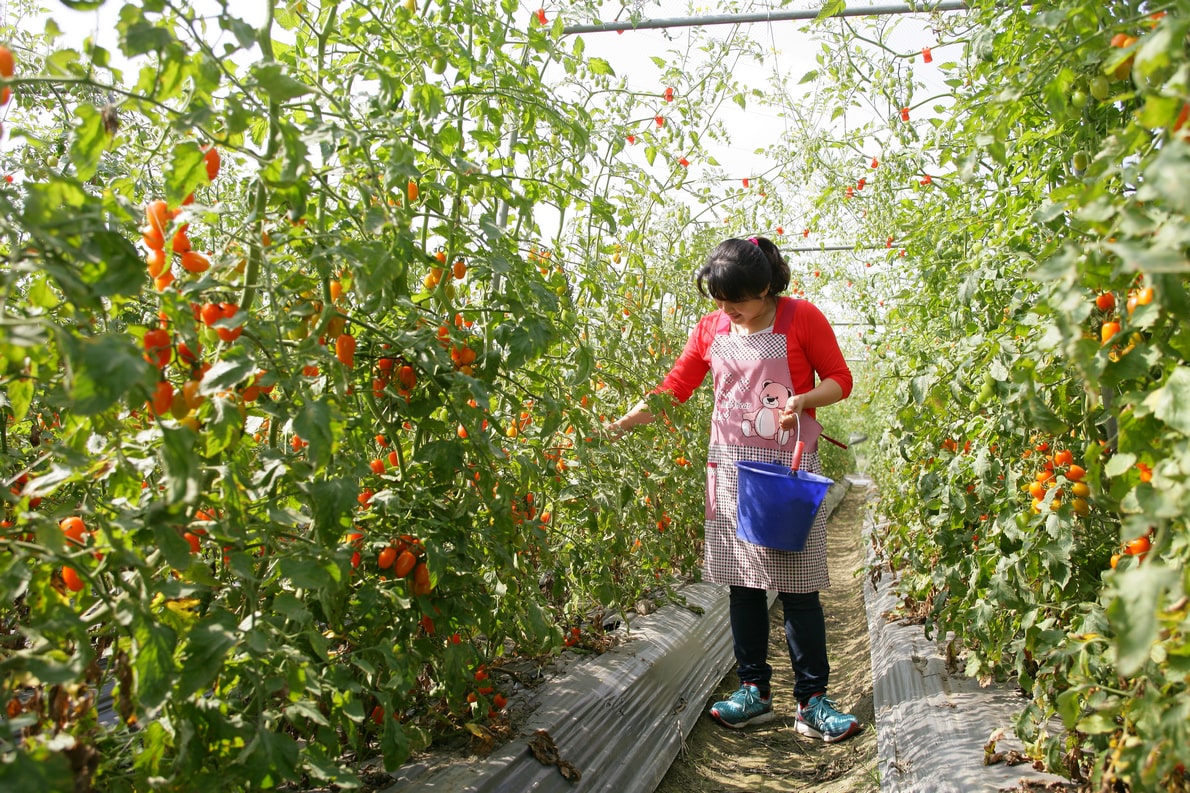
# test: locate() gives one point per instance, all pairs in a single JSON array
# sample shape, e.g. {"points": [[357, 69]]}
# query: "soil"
{"points": [[774, 757]]}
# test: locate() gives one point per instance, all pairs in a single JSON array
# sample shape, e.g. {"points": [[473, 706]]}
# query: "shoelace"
{"points": [[747, 696], [818, 707]]}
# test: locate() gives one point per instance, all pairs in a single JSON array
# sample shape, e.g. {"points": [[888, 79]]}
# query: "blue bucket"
{"points": [[776, 506]]}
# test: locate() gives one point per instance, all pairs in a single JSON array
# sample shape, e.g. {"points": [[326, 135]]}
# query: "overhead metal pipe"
{"points": [[820, 248], [765, 16]]}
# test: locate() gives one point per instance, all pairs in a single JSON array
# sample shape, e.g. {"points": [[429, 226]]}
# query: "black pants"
{"points": [[805, 633]]}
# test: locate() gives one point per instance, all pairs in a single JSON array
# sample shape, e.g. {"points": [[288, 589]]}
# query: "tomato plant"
{"points": [[1022, 508], [275, 428]]}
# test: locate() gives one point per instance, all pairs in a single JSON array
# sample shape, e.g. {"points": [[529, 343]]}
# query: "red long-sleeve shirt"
{"points": [[813, 350]]}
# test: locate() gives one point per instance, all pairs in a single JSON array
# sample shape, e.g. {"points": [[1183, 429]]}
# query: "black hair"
{"points": [[739, 270]]}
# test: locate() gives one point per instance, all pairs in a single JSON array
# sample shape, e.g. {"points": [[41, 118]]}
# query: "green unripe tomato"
{"points": [[1100, 88]]}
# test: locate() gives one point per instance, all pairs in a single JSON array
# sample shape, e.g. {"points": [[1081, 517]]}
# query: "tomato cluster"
{"points": [[405, 556], [1047, 490], [1137, 547]]}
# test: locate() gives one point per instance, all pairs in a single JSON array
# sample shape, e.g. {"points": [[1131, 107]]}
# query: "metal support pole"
{"points": [[820, 248], [764, 16]]}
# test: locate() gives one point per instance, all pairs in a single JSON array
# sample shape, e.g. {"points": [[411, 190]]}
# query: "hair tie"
{"points": [[754, 241]]}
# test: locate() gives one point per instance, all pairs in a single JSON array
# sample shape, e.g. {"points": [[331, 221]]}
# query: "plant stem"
{"points": [[261, 201]]}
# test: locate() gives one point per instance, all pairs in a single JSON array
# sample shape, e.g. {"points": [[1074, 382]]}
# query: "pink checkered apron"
{"points": [[752, 385]]}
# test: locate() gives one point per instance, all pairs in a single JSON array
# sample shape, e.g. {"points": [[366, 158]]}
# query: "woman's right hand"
{"points": [[793, 411]]}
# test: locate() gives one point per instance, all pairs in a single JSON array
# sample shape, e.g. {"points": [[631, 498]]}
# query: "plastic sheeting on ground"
{"points": [[619, 718]]}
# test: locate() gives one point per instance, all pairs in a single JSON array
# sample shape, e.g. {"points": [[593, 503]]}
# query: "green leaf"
{"points": [[278, 86], [110, 264], [274, 756], [36, 768], [288, 605], [1069, 706], [305, 709], [244, 33], [1049, 212], [600, 66], [809, 76], [1158, 110], [1098, 724], [186, 171], [206, 645], [1045, 418], [62, 62], [47, 483], [584, 365], [331, 505], [1133, 612], [1119, 464], [443, 457], [139, 35], [172, 75], [308, 573], [830, 9], [234, 368], [1171, 402], [1049, 19], [524, 341], [46, 203], [181, 468], [106, 369], [89, 141], [1165, 181], [154, 663], [225, 426], [168, 540], [314, 425], [40, 294], [650, 154], [19, 398]]}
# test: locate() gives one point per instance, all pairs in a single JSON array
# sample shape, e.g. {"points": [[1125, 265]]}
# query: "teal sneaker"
{"points": [[819, 719], [744, 707]]}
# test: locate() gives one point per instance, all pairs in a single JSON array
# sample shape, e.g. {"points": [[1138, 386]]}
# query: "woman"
{"points": [[774, 361]]}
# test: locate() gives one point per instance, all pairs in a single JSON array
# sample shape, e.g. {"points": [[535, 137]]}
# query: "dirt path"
{"points": [[774, 757]]}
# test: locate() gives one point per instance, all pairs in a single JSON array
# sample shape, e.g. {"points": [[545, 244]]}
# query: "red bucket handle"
{"points": [[798, 447]]}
